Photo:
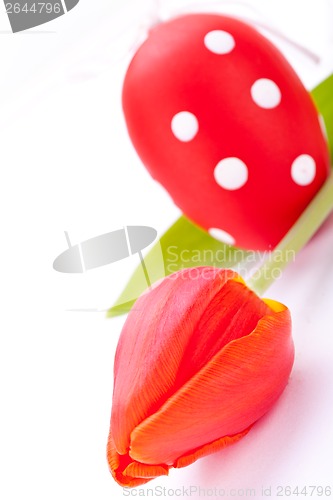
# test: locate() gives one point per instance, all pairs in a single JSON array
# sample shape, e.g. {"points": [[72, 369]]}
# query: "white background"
{"points": [[67, 164]]}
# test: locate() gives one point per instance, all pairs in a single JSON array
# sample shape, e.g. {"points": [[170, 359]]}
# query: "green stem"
{"points": [[301, 232]]}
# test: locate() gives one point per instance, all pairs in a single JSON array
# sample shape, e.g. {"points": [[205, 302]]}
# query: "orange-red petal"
{"points": [[231, 392], [128, 472], [208, 449], [232, 313], [135, 469], [152, 346]]}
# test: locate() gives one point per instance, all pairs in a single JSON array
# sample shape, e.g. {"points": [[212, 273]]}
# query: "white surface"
{"points": [[67, 165]]}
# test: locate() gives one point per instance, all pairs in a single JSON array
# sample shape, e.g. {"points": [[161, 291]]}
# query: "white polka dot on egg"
{"points": [[219, 42], [222, 236], [303, 170], [266, 94], [185, 126], [231, 173]]}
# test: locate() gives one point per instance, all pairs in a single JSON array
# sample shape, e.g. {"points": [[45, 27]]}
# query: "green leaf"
{"points": [[183, 245], [323, 97], [186, 245]]}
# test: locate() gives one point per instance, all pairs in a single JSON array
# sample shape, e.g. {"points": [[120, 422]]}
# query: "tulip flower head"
{"points": [[200, 359]]}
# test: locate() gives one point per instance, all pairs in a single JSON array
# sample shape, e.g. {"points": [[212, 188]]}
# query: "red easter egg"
{"points": [[222, 121]]}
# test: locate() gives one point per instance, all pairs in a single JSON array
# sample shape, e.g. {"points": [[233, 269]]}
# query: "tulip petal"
{"points": [[208, 449], [116, 465], [137, 470], [152, 346], [231, 392], [232, 313]]}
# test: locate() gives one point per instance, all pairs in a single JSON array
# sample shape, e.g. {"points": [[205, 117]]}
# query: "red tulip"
{"points": [[200, 359]]}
